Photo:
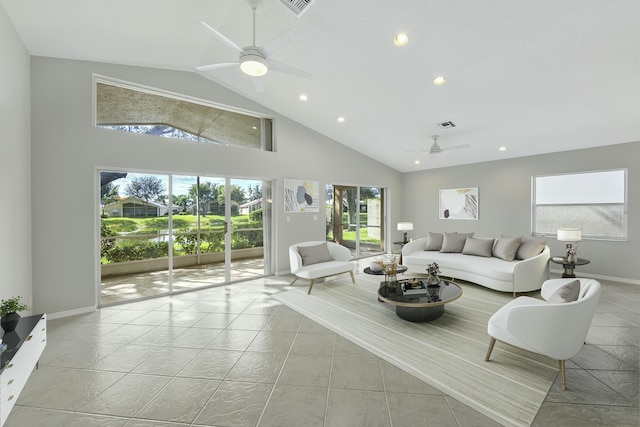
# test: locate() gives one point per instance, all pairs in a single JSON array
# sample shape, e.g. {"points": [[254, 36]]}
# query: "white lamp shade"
{"points": [[405, 226], [569, 234]]}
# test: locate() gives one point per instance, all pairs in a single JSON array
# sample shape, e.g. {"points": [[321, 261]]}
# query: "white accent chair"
{"points": [[556, 330], [338, 264]]}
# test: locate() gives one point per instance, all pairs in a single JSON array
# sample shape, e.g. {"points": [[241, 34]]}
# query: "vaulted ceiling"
{"points": [[534, 76]]}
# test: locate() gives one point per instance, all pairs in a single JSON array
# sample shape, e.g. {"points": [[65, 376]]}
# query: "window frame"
{"points": [[585, 236]]}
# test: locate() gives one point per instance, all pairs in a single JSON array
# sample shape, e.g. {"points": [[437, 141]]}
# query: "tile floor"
{"points": [[232, 356]]}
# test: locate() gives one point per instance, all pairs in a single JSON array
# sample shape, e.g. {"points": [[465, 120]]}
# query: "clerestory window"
{"points": [[127, 108]]}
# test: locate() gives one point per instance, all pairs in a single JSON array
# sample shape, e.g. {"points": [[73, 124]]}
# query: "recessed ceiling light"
{"points": [[303, 97], [502, 148], [401, 39], [340, 119], [417, 162], [440, 80]]}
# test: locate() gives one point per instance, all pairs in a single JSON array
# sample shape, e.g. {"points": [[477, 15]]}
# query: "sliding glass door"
{"points": [[355, 218], [161, 234]]}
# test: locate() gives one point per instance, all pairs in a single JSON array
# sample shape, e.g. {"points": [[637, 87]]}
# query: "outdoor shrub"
{"points": [[106, 244], [256, 215], [138, 250]]}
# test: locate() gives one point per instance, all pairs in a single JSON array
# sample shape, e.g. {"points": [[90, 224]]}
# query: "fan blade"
{"points": [[221, 37], [276, 43], [216, 66], [455, 147], [257, 84], [279, 66]]}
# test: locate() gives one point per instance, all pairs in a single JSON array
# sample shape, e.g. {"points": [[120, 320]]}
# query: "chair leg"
{"points": [[294, 281], [311, 285], [563, 378], [353, 278], [491, 344]]}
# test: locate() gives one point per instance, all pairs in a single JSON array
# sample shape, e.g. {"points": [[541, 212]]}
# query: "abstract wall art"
{"points": [[300, 195], [459, 203]]}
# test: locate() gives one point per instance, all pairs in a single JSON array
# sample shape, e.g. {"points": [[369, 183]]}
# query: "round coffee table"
{"points": [[425, 307]]}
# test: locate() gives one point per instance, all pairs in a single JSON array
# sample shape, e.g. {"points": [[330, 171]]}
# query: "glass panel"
{"points": [[137, 110], [134, 236], [198, 230], [371, 221], [247, 239]]}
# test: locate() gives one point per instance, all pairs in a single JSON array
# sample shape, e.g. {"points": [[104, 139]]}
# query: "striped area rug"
{"points": [[447, 353]]}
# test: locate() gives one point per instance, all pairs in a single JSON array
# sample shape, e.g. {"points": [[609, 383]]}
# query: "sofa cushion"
{"points": [[506, 248], [566, 293], [314, 254], [478, 247], [434, 242], [530, 247], [454, 242]]}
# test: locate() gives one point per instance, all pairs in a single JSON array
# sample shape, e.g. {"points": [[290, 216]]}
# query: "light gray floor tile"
{"points": [[250, 322], [357, 408], [306, 370], [283, 323], [180, 401], [237, 404], [584, 388], [356, 373], [272, 342], [406, 409], [558, 415], [196, 337], [257, 367], [623, 382], [309, 404], [233, 339], [64, 388], [127, 396], [126, 358], [319, 344], [151, 423], [344, 347], [24, 416], [215, 320], [211, 364], [167, 361], [311, 327]]}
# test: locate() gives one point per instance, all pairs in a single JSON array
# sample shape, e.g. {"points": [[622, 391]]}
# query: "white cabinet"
{"points": [[24, 346]]}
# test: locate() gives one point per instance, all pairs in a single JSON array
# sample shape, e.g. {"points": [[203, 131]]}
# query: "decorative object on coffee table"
{"points": [[433, 279]]}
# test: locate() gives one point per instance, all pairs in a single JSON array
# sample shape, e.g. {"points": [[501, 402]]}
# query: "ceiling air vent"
{"points": [[447, 125], [297, 6]]}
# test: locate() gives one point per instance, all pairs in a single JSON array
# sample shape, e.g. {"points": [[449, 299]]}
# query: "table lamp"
{"points": [[571, 236], [405, 226]]}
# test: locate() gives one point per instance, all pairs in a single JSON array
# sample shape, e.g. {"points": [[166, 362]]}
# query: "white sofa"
{"points": [[336, 261], [519, 275]]}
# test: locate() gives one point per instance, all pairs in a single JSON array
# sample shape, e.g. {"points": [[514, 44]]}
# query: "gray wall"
{"points": [[67, 150], [15, 169], [504, 189]]}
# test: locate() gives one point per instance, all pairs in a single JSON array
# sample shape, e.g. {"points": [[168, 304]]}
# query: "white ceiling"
{"points": [[536, 76]]}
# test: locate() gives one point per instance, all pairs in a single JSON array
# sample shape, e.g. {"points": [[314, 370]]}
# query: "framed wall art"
{"points": [[459, 203], [300, 195]]}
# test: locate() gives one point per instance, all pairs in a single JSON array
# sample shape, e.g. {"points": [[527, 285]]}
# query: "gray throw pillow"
{"points": [[434, 242], [454, 242], [478, 247], [530, 247], [566, 293], [314, 254], [506, 248]]}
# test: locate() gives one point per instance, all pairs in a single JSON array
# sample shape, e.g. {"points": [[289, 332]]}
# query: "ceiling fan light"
{"points": [[254, 65]]}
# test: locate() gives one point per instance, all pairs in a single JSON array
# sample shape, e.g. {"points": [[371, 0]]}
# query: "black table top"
{"points": [[14, 339]]}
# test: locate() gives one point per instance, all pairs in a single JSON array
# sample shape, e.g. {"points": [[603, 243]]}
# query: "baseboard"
{"points": [[74, 312], [601, 277]]}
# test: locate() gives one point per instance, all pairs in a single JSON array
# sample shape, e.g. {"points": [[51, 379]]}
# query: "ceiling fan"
{"points": [[253, 60], [437, 149]]}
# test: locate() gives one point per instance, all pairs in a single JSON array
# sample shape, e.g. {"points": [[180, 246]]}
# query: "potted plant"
{"points": [[9, 309]]}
